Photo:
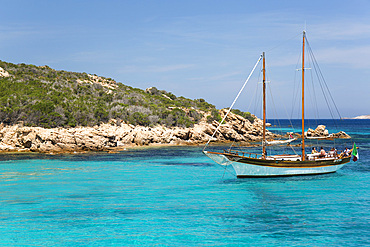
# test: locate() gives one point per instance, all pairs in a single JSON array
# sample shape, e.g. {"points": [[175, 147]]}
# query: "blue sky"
{"points": [[196, 49]]}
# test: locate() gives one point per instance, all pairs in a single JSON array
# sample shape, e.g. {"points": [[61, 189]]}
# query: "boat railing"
{"points": [[330, 154], [243, 153]]}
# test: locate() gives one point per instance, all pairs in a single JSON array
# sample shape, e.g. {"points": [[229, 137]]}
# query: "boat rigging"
{"points": [[247, 164]]}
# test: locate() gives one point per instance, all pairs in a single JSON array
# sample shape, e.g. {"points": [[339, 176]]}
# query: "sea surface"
{"points": [[176, 196]]}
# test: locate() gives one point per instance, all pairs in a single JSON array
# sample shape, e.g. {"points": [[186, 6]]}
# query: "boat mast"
{"points": [[303, 147], [264, 108]]}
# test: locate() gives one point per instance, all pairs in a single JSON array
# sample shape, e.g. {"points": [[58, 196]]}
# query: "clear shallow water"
{"points": [[178, 197]]}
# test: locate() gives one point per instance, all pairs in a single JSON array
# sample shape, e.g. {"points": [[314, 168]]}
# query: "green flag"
{"points": [[354, 152]]}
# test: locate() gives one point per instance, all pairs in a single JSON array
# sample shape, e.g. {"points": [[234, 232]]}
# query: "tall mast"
{"points": [[264, 108], [303, 151]]}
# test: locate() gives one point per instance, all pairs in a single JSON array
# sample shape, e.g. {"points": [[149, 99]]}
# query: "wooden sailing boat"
{"points": [[248, 164]]}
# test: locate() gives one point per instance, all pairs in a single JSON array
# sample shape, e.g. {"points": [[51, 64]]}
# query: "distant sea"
{"points": [[176, 196]]}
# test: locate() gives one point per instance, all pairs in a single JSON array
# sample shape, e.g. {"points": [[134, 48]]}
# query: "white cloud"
{"points": [[341, 30], [154, 68], [16, 32], [354, 57]]}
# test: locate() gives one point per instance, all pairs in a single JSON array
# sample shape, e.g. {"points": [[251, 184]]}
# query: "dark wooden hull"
{"points": [[286, 163]]}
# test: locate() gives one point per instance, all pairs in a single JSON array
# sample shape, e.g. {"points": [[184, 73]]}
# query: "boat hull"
{"points": [[254, 167], [248, 170]]}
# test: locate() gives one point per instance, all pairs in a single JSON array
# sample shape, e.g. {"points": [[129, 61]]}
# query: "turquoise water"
{"points": [[175, 196]]}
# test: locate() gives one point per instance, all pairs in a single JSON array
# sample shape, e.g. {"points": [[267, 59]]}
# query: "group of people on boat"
{"points": [[332, 153], [322, 152]]}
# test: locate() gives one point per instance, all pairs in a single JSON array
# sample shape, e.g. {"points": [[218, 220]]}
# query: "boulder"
{"points": [[341, 134], [320, 131]]}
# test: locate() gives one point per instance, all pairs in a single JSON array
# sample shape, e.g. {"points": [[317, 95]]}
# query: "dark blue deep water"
{"points": [[175, 196]]}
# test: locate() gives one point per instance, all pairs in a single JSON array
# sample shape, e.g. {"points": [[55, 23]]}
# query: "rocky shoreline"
{"points": [[115, 136]]}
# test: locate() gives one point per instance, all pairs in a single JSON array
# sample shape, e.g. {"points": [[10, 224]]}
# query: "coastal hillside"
{"points": [[44, 97], [362, 117], [46, 110]]}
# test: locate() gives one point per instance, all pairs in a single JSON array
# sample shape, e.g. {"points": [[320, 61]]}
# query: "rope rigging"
{"points": [[312, 97], [236, 98], [246, 163], [323, 86]]}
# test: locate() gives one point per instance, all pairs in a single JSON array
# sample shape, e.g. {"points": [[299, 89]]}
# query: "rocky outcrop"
{"points": [[113, 136], [94, 79], [4, 73], [341, 134], [240, 129], [117, 136], [321, 131]]}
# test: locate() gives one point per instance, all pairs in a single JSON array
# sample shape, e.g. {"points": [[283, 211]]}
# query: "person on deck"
{"points": [[322, 152], [346, 152], [333, 152], [314, 151]]}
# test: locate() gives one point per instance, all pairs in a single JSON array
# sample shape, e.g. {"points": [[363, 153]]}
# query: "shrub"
{"points": [[51, 98], [245, 115], [215, 116]]}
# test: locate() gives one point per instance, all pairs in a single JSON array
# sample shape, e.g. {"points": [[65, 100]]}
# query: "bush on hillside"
{"points": [[41, 96]]}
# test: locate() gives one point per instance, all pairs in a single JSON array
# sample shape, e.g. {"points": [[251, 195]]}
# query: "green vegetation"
{"points": [[41, 96], [214, 116], [246, 115]]}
